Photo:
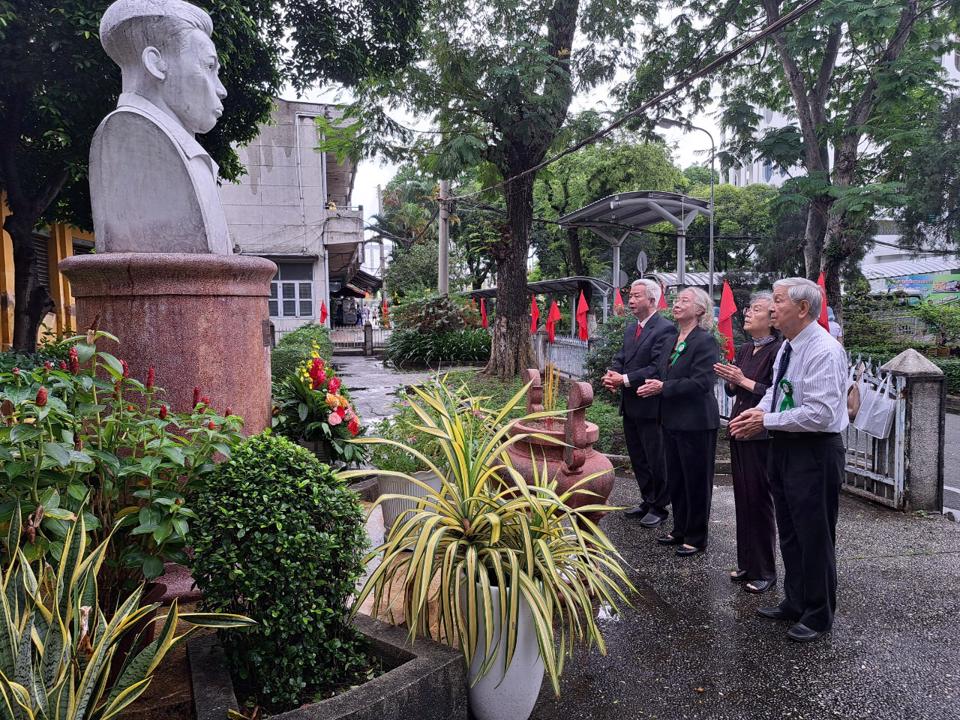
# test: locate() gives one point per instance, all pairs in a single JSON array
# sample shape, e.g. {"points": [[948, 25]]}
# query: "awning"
{"points": [[921, 266], [634, 211]]}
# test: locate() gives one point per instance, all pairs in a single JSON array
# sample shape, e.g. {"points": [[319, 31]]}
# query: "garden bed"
{"points": [[427, 676]]}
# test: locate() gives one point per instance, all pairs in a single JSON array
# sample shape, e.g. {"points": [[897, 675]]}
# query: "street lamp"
{"points": [[687, 126]]}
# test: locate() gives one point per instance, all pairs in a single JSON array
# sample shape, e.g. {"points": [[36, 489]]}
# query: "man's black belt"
{"points": [[779, 435]]}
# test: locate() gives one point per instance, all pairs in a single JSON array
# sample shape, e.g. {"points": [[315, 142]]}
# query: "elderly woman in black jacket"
{"points": [[690, 420]]}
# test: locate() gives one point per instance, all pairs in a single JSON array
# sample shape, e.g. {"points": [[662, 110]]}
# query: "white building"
{"points": [[293, 207]]}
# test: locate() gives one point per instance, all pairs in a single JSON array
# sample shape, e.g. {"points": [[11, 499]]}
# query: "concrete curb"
{"points": [[427, 676]]}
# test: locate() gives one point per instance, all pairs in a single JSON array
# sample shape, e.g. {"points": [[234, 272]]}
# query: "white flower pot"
{"points": [[398, 486], [507, 693]]}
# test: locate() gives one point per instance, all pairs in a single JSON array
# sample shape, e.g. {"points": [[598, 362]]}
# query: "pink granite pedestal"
{"points": [[199, 320]]}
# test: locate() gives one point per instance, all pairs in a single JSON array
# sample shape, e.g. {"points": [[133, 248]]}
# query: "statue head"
{"points": [[165, 53]]}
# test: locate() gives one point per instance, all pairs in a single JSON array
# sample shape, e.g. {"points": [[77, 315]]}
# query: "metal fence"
{"points": [[352, 337], [568, 355], [876, 469]]}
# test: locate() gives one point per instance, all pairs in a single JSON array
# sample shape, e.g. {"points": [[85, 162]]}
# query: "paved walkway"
{"points": [[951, 466], [692, 647]]}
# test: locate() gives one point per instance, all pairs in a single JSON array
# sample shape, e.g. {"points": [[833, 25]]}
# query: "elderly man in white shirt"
{"points": [[805, 411]]}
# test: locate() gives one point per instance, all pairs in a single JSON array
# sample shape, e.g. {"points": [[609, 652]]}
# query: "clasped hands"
{"points": [[747, 424], [613, 381], [729, 372]]}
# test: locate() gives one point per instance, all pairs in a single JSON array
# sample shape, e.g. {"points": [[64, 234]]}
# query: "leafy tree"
{"points": [[413, 270], [848, 76], [58, 84], [497, 79]]}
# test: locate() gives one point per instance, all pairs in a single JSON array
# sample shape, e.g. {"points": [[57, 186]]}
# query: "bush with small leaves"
{"points": [[280, 538]]}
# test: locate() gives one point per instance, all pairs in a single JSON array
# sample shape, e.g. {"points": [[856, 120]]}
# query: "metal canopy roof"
{"points": [[559, 286], [633, 211], [939, 264]]}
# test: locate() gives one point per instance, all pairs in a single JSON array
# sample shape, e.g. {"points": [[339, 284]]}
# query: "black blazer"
{"points": [[640, 359], [688, 399]]}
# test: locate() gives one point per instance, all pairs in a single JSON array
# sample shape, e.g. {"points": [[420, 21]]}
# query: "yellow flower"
{"points": [[344, 403], [333, 401]]}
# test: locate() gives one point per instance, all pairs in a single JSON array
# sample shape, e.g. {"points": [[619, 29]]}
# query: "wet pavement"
{"points": [[693, 647], [951, 465]]}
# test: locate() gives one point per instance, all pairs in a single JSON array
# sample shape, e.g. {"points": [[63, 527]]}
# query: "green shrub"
{"points": [[436, 314], [607, 341], [608, 420], [295, 348], [951, 372], [280, 539], [416, 347]]}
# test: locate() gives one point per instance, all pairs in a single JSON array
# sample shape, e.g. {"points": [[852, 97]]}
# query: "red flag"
{"points": [[662, 303], [824, 319], [534, 314], [552, 317], [323, 312], [617, 301], [582, 309], [725, 322], [483, 313], [384, 314]]}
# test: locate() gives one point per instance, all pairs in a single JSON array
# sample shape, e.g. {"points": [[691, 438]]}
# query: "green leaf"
{"points": [[24, 433], [58, 452], [152, 567], [113, 365], [84, 351]]}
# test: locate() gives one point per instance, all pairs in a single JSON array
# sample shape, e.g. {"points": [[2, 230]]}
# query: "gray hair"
{"points": [[702, 301], [762, 295], [130, 26], [800, 289], [653, 289]]}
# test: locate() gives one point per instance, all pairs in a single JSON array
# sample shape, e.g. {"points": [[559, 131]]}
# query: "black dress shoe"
{"points": [[801, 633], [758, 587], [669, 540], [653, 519], [739, 576], [688, 550], [776, 613], [638, 512]]}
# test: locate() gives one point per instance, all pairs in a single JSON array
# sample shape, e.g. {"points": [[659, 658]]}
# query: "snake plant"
{"points": [[59, 652], [488, 527]]}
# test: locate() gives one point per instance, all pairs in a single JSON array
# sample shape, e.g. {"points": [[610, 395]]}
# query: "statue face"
{"points": [[191, 88]]}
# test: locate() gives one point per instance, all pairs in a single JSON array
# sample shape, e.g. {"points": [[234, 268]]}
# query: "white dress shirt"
{"points": [[818, 374], [643, 324]]}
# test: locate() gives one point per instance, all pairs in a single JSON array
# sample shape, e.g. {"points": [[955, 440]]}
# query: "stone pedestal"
{"points": [[200, 320]]}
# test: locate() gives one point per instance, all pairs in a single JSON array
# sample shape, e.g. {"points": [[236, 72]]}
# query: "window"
{"points": [[291, 291]]}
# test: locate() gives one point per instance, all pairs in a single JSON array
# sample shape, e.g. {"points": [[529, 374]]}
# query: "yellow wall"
{"points": [[60, 245]]}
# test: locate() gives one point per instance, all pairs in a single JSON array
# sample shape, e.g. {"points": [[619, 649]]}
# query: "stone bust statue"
{"points": [[152, 186]]}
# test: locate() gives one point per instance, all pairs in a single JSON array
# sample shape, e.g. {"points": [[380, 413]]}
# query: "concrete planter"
{"points": [[426, 679], [392, 509]]}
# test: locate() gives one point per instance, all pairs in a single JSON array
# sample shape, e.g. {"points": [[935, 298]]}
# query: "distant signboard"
{"points": [[935, 286]]}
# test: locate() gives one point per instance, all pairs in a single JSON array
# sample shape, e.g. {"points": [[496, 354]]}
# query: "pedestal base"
{"points": [[199, 320]]}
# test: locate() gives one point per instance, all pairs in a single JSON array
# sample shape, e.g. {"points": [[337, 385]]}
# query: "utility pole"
{"points": [[383, 264], [443, 274]]}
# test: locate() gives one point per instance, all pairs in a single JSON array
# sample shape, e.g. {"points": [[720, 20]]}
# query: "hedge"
{"points": [[296, 347], [413, 347]]}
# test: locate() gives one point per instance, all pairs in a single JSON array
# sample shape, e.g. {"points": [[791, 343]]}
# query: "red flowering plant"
{"points": [[85, 434], [312, 405]]}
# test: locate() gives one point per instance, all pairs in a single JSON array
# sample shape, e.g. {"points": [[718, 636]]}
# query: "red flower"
{"points": [[196, 396], [205, 400], [74, 361], [163, 412], [341, 411], [41, 397], [353, 426], [334, 385], [48, 365], [228, 412], [63, 364], [16, 371], [211, 425], [151, 377], [126, 368]]}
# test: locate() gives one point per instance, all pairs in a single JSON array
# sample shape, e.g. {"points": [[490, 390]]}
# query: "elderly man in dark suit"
{"points": [[646, 345]]}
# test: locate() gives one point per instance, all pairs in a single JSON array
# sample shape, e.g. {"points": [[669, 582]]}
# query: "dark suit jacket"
{"points": [[688, 399], [640, 359]]}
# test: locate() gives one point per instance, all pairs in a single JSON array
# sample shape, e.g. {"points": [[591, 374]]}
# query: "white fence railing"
{"points": [[568, 355]]}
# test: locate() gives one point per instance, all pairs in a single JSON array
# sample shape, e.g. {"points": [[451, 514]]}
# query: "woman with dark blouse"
{"points": [[747, 379], [690, 420]]}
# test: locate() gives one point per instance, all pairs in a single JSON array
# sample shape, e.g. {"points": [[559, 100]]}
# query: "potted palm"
{"points": [[501, 566]]}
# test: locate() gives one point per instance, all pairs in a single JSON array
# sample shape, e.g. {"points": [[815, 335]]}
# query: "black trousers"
{"points": [[690, 456], [645, 446], [805, 474], [756, 529]]}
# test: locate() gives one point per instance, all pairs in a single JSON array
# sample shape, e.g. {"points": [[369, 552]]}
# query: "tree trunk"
{"points": [[32, 299], [576, 257], [510, 346], [818, 215]]}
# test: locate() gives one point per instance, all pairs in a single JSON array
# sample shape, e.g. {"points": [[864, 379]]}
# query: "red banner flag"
{"points": [[323, 312], [824, 319], [582, 308], [534, 315], [662, 303], [617, 302], [483, 313], [552, 318], [725, 322], [384, 314]]}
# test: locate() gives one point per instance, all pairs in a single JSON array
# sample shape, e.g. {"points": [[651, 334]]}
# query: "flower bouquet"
{"points": [[312, 405]]}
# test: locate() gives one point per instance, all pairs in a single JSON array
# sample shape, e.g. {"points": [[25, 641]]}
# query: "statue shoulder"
{"points": [[133, 133]]}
